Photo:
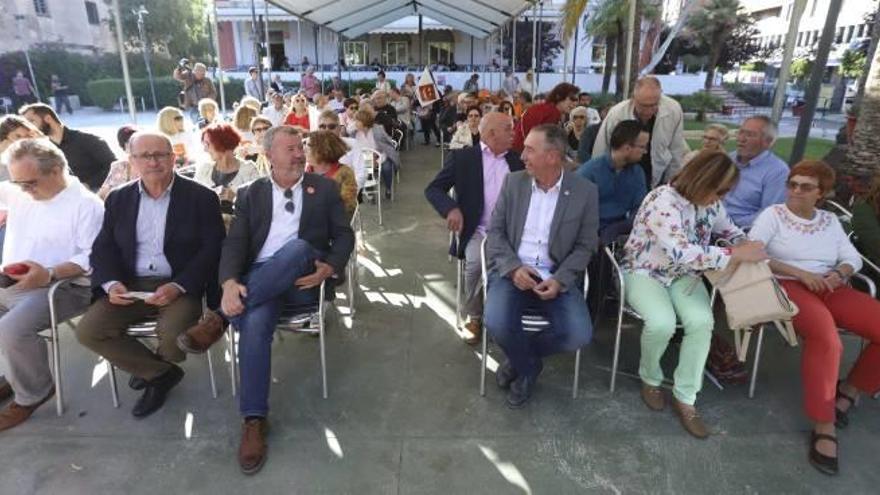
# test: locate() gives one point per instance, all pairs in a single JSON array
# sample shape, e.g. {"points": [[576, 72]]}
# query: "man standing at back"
{"points": [[88, 156], [540, 240], [661, 117], [762, 174], [476, 174]]}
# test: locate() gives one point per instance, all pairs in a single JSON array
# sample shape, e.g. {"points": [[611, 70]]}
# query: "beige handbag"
{"points": [[752, 296]]}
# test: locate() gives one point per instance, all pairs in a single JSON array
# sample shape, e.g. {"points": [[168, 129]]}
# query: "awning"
{"points": [[410, 25], [352, 18]]}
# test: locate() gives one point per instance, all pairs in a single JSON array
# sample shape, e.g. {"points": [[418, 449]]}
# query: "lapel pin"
{"points": [[310, 190], [565, 192]]}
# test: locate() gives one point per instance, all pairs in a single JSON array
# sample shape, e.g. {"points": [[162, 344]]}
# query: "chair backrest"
{"points": [[371, 159], [397, 137]]}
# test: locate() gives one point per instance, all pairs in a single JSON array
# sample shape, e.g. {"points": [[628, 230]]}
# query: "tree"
{"points": [[711, 27], [852, 64], [800, 69], [549, 44], [861, 164], [174, 28]]}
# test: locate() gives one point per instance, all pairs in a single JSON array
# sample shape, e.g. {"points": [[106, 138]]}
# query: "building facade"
{"points": [[77, 25]]}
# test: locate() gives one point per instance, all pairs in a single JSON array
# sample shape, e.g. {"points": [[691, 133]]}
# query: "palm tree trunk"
{"points": [[621, 59], [610, 51], [714, 55], [862, 155], [636, 48]]}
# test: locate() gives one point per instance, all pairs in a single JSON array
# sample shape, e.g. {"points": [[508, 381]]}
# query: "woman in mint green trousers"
{"points": [[668, 249]]}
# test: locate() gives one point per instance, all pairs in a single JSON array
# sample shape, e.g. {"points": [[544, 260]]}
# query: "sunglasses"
{"points": [[803, 186], [353, 107], [179, 117], [328, 127], [261, 129], [289, 206]]}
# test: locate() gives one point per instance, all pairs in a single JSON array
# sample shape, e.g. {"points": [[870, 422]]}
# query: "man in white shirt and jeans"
{"points": [[53, 220], [541, 236]]}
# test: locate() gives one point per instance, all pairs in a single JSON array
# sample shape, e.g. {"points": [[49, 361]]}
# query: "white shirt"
{"points": [[274, 115], [285, 225], [354, 160], [534, 248], [337, 105], [53, 231], [593, 116], [817, 245]]}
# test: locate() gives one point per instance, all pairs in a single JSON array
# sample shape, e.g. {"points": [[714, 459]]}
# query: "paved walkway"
{"points": [[404, 415]]}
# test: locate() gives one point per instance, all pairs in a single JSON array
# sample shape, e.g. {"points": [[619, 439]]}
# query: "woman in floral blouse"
{"points": [[670, 245]]}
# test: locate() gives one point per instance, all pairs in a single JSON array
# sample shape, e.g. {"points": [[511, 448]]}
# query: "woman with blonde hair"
{"points": [[714, 137], [241, 120], [323, 151], [208, 113], [575, 128], [368, 134], [299, 114], [669, 248], [170, 122]]}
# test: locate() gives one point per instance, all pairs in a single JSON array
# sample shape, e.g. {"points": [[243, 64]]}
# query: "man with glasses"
{"points": [[88, 156], [276, 112], [155, 257], [53, 220], [661, 117], [290, 234], [762, 174]]}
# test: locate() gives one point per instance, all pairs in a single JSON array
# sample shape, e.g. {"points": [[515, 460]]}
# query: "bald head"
{"points": [[496, 130], [152, 156], [646, 97]]}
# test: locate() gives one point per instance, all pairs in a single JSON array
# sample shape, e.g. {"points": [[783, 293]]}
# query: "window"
{"points": [[439, 52], [92, 13], [839, 36], [396, 53], [355, 52], [861, 30], [800, 39], [849, 33], [41, 7], [599, 54]]}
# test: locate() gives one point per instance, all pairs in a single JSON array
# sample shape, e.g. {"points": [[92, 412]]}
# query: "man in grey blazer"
{"points": [[290, 233], [542, 234]]}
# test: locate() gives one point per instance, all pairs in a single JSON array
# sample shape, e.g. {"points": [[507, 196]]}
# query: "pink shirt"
{"points": [[495, 169]]}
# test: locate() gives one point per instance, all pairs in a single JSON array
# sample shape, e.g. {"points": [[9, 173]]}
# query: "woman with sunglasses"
{"points": [[254, 151], [669, 248], [575, 128], [299, 115], [171, 123], [346, 118], [323, 150], [468, 134], [561, 100], [813, 258]]}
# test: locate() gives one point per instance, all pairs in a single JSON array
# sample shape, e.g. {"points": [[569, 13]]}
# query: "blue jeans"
{"points": [[269, 288], [570, 326], [388, 169]]}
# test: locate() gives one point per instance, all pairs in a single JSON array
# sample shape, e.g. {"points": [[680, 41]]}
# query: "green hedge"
{"points": [[700, 102], [105, 93]]}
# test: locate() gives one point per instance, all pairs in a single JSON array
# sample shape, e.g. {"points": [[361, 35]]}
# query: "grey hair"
{"points": [[329, 114], [154, 134], [554, 138], [648, 81], [578, 111], [283, 129], [42, 150], [770, 130]]}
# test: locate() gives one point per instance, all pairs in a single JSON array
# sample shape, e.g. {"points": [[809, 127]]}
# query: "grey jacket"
{"points": [[573, 231]]}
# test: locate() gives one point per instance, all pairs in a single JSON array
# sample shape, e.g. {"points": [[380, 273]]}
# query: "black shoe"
{"points": [[505, 375], [137, 383], [825, 464], [156, 392], [520, 392], [841, 419], [387, 194]]}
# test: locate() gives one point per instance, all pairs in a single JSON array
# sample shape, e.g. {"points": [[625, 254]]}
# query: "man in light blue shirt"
{"points": [[762, 174]]}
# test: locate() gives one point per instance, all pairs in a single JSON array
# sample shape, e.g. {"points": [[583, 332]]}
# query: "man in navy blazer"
{"points": [[156, 255], [476, 174]]}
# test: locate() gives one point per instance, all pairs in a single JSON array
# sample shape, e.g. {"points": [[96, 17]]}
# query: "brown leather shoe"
{"points": [[5, 389], [473, 331], [653, 397], [690, 419], [15, 414], [252, 451], [200, 337]]}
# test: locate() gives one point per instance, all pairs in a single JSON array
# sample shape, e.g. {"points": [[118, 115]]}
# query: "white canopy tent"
{"points": [[352, 18]]}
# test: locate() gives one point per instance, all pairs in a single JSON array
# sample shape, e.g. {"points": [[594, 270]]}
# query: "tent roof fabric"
{"points": [[352, 18]]}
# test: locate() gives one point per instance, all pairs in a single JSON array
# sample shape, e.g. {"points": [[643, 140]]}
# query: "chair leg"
{"points": [[577, 374], [352, 268], [233, 359], [113, 389], [379, 198], [483, 362], [211, 373], [616, 358], [321, 334], [757, 361], [55, 351], [458, 289]]}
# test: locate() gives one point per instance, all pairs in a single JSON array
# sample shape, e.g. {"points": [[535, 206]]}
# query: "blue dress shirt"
{"points": [[761, 184], [620, 192]]}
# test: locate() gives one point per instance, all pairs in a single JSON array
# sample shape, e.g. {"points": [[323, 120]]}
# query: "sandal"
{"points": [[841, 416], [825, 464]]}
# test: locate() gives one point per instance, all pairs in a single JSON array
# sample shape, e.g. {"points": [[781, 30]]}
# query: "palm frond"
{"points": [[572, 11]]}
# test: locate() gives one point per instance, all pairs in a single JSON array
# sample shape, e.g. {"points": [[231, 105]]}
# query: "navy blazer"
{"points": [[463, 170], [194, 233]]}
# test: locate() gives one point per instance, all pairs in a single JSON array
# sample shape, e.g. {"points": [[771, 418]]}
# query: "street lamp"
{"points": [[140, 13], [27, 57]]}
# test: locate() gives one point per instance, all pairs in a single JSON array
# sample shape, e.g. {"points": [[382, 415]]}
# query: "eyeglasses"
{"points": [[806, 187], [261, 129], [289, 206], [328, 127], [579, 117], [148, 157], [26, 185], [707, 137], [353, 107]]}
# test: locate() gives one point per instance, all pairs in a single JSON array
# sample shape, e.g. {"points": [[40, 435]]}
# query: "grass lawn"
{"points": [[816, 148]]}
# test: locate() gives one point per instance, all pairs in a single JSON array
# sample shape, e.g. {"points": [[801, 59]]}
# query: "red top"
{"points": [[293, 119], [542, 113]]}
